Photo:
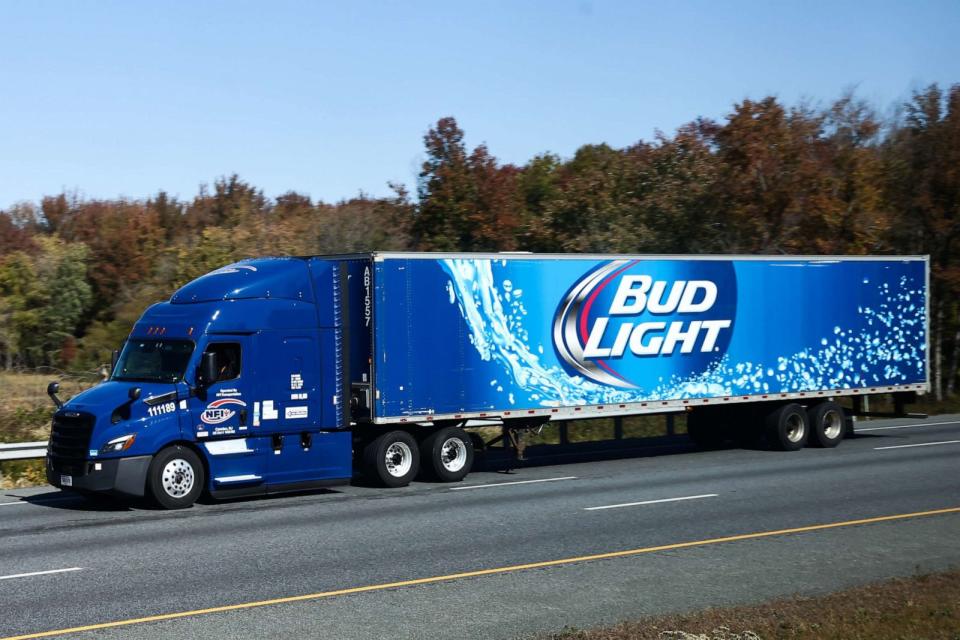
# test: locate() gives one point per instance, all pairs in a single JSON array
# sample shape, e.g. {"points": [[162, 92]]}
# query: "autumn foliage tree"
{"points": [[467, 201]]}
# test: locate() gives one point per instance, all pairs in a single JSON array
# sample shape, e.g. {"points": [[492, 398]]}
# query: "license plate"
{"points": [[66, 481]]}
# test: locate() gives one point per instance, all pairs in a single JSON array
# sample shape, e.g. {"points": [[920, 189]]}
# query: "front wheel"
{"points": [[175, 479], [447, 454], [392, 458]]}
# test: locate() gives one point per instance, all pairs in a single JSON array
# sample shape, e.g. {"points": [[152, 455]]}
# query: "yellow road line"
{"points": [[482, 572]]}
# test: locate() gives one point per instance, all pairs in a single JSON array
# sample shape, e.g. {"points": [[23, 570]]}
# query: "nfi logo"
{"points": [[632, 323], [221, 410]]}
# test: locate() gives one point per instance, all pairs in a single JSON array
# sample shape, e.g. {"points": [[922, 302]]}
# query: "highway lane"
{"points": [[135, 562]]}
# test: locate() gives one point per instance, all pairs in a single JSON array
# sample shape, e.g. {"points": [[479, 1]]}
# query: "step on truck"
{"points": [[280, 374]]}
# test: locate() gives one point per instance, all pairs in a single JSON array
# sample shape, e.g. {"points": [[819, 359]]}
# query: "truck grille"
{"points": [[69, 442]]}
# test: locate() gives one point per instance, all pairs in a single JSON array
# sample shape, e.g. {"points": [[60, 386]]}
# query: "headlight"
{"points": [[118, 444]]}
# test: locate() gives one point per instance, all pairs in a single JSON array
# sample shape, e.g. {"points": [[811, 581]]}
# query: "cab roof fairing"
{"points": [[182, 321], [263, 278]]}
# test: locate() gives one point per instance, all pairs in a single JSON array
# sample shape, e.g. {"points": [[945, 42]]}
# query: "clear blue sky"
{"points": [[127, 98]]}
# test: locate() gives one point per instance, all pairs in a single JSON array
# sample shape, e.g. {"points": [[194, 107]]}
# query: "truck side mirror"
{"points": [[52, 390], [208, 368], [134, 393]]}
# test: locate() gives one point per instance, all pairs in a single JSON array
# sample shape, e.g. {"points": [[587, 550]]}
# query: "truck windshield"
{"points": [[153, 360]]}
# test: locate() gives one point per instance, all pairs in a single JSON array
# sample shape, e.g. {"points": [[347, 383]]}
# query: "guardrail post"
{"points": [[618, 428], [670, 425], [564, 434]]}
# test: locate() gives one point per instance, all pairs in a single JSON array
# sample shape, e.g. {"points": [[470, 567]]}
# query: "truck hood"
{"points": [[107, 396]]}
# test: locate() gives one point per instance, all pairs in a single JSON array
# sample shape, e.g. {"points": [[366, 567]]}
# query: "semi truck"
{"points": [[288, 373]]}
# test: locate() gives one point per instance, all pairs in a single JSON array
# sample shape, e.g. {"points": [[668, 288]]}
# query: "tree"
{"points": [[45, 296], [922, 163], [467, 201], [674, 185], [769, 176], [591, 210], [13, 237]]}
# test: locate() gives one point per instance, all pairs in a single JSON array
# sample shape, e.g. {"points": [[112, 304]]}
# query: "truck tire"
{"points": [[447, 454], [176, 478], [827, 424], [787, 428], [392, 458], [707, 429]]}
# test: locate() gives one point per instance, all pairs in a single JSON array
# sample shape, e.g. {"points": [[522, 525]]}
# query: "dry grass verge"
{"points": [[923, 607]]}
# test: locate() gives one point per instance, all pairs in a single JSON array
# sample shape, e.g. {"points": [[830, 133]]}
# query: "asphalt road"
{"points": [[124, 562]]}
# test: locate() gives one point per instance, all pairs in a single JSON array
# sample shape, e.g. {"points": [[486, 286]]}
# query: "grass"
{"points": [[25, 415], [921, 607], [26, 410], [925, 404]]}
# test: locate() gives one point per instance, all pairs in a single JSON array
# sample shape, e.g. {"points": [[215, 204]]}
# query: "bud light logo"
{"points": [[220, 410], [638, 323]]}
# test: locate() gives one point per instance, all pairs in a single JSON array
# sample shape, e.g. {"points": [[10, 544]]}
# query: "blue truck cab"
{"points": [[235, 385]]}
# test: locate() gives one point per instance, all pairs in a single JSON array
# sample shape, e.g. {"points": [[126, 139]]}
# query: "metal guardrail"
{"points": [[23, 450]]}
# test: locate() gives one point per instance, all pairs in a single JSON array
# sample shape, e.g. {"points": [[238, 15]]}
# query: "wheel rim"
{"points": [[453, 454], [832, 424], [177, 478], [795, 427], [398, 459]]}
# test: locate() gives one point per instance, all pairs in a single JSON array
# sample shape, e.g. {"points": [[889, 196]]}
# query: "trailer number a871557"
{"points": [[160, 409]]}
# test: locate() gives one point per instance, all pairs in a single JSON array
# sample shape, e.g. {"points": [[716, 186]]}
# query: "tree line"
{"points": [[768, 178]]}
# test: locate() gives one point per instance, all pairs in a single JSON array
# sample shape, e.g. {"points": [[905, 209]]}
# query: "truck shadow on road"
{"points": [[75, 502]]}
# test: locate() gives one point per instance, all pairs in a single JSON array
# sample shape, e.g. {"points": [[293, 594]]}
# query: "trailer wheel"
{"points": [[787, 427], [392, 458], [175, 479], [827, 424], [447, 454]]}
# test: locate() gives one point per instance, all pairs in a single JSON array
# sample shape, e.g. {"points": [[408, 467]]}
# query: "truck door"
{"points": [[222, 416], [221, 410]]}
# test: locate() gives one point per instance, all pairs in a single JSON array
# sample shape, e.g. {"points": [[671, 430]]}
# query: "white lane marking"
{"points": [[39, 573], [637, 504], [921, 444], [905, 426], [504, 484], [47, 501]]}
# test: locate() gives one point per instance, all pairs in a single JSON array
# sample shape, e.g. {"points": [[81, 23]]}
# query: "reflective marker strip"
{"points": [[481, 572]]}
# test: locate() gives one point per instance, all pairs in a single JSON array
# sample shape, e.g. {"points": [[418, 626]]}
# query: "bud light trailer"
{"points": [[279, 374]]}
